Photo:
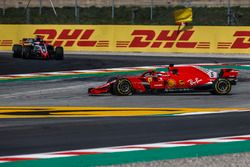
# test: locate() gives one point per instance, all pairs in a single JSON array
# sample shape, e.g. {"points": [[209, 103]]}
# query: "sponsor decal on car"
{"points": [[194, 82], [171, 83], [150, 79], [181, 82]]}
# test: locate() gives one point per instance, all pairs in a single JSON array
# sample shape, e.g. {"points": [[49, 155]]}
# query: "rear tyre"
{"points": [[17, 51], [122, 87], [26, 52], [221, 87], [50, 49], [59, 53]]}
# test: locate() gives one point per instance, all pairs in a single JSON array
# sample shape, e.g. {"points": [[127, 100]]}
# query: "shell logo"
{"points": [[171, 83]]}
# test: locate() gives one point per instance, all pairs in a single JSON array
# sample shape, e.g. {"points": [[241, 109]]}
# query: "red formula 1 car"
{"points": [[184, 78], [37, 48]]}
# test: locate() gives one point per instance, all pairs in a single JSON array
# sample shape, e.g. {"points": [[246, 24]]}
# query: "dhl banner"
{"points": [[128, 38]]}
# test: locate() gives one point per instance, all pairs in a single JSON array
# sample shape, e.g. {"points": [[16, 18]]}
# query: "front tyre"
{"points": [[59, 53], [122, 87], [50, 49], [221, 87], [17, 51], [26, 52]]}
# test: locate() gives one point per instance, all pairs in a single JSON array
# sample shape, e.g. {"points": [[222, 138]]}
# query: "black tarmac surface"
{"points": [[23, 136], [11, 65]]}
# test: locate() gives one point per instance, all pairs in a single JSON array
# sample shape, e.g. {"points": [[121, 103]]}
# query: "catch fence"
{"points": [[114, 9]]}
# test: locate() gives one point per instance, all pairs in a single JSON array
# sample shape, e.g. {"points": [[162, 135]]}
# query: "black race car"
{"points": [[37, 48]]}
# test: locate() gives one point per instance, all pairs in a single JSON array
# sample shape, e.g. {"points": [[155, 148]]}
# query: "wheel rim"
{"points": [[124, 87], [223, 87]]}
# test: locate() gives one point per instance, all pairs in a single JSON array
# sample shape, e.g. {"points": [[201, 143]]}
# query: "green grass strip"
{"points": [[138, 156]]}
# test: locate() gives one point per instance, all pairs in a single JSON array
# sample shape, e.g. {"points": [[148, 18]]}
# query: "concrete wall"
{"points": [[143, 3]]}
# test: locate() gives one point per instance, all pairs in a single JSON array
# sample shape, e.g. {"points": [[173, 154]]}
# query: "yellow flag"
{"points": [[183, 15]]}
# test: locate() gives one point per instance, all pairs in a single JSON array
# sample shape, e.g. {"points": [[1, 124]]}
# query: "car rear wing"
{"points": [[230, 74], [27, 41]]}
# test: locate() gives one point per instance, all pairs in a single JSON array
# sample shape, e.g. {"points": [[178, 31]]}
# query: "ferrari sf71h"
{"points": [[37, 48], [184, 78]]}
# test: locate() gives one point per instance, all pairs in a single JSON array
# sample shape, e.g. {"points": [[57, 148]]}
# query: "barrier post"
{"points": [[4, 1], [134, 13], [113, 9], [40, 7], [151, 9], [229, 13], [76, 12]]}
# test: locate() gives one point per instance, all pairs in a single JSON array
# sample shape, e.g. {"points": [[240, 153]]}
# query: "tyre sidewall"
{"points": [[59, 53], [17, 51], [117, 87], [50, 49], [26, 52], [217, 87]]}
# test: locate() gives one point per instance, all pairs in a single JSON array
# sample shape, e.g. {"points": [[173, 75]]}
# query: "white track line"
{"points": [[126, 148]]}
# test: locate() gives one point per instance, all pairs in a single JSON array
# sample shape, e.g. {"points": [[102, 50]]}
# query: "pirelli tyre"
{"points": [[17, 51], [50, 49], [59, 53], [122, 87], [26, 52], [221, 87]]}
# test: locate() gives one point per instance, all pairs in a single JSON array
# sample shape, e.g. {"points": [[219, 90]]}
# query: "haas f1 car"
{"points": [[177, 79], [37, 48]]}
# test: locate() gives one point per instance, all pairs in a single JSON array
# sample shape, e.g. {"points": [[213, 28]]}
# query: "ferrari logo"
{"points": [[150, 79]]}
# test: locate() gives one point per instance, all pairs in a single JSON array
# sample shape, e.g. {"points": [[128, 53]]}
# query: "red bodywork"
{"points": [[177, 78], [42, 50]]}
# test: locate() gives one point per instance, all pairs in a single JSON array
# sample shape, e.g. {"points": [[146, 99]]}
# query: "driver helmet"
{"points": [[38, 38], [171, 67]]}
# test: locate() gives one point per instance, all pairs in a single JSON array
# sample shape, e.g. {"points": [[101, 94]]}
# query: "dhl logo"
{"points": [[140, 39], [6, 42], [165, 39], [68, 37], [242, 41], [181, 39]]}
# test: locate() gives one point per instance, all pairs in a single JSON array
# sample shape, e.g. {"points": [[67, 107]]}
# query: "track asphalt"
{"points": [[25, 136]]}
